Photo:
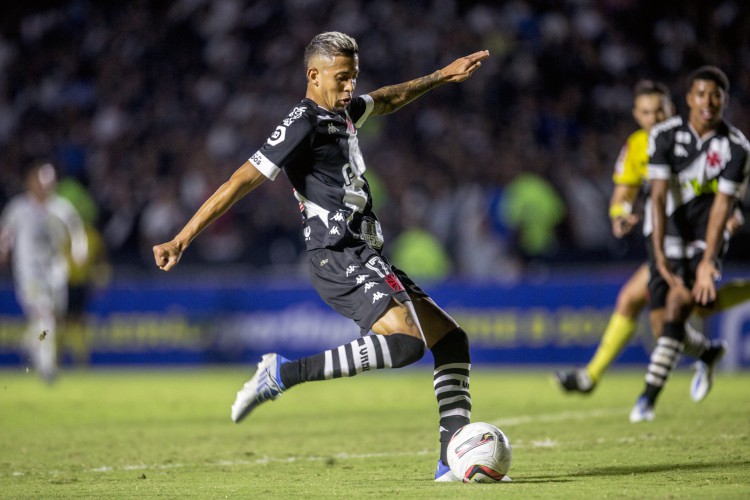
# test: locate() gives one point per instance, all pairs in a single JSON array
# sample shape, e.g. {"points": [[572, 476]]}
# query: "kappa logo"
{"points": [[369, 285], [350, 270], [323, 262], [334, 230], [332, 129], [339, 217], [278, 136], [682, 137], [377, 296], [361, 278]]}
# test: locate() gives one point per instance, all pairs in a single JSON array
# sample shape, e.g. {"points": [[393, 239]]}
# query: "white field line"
{"points": [[559, 417]]}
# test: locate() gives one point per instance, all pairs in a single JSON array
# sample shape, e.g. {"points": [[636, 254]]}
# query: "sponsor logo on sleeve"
{"points": [[278, 136]]}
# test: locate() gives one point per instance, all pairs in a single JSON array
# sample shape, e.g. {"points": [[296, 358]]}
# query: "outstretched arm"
{"points": [[245, 179], [389, 99]]}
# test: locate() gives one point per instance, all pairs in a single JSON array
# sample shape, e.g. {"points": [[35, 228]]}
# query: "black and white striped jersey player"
{"points": [[316, 147], [698, 168]]}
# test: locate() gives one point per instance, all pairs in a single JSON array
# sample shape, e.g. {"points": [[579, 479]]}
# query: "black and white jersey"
{"points": [[318, 151], [696, 168]]}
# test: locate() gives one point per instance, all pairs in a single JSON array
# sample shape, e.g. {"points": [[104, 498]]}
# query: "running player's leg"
{"points": [[727, 296], [38, 305], [697, 345], [667, 352], [709, 352], [622, 325], [620, 329]]}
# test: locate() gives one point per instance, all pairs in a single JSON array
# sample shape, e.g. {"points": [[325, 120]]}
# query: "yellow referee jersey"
{"points": [[631, 167]]}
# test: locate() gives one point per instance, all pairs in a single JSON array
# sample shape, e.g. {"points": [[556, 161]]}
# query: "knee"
{"points": [[630, 302], [404, 349], [452, 348], [678, 304]]}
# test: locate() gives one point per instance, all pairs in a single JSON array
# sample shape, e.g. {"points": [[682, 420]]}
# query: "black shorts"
{"points": [[358, 282], [684, 268]]}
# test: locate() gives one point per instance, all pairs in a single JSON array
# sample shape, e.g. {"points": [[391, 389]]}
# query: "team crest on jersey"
{"points": [[713, 164], [713, 159]]}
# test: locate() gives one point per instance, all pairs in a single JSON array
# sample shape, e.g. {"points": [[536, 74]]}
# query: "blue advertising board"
{"points": [[554, 321]]}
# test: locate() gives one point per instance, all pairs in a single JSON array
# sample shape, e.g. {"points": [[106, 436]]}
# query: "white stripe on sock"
{"points": [[328, 367], [387, 363], [343, 361]]}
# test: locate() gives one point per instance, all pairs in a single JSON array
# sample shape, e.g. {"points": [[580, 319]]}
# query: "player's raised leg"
{"points": [[276, 374]]}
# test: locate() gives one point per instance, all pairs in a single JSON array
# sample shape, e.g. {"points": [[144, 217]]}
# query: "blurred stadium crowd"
{"points": [[152, 104]]}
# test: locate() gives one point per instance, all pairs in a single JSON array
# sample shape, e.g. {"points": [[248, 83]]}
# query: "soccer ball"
{"points": [[479, 453]]}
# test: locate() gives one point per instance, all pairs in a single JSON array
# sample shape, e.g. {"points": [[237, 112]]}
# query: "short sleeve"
{"points": [[284, 142]]}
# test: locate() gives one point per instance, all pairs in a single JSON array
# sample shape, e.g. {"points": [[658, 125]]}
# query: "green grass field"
{"points": [[167, 434]]}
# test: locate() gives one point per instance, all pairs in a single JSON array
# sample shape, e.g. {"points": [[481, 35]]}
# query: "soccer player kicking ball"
{"points": [[697, 168], [316, 146]]}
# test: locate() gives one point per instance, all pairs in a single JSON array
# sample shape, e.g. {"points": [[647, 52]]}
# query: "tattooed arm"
{"points": [[389, 99]]}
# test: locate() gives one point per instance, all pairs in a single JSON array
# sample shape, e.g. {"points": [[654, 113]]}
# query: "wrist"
{"points": [[620, 210], [181, 244]]}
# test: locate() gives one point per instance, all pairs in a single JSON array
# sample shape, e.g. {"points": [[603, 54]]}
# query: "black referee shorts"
{"points": [[358, 282]]}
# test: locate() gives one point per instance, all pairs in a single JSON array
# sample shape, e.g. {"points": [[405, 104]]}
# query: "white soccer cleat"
{"points": [[703, 379], [642, 411], [265, 385]]}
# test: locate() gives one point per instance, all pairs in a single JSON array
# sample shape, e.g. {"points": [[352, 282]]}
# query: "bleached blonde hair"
{"points": [[329, 45]]}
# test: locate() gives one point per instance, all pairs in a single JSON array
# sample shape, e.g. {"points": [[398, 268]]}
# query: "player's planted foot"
{"points": [[265, 385], [577, 380], [704, 371], [444, 474], [643, 411]]}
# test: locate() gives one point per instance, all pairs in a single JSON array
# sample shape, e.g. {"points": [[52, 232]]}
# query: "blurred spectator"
{"points": [[532, 209], [416, 249], [86, 277]]}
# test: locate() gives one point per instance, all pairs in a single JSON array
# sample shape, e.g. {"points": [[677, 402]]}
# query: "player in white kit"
{"points": [[37, 227]]}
